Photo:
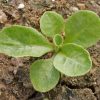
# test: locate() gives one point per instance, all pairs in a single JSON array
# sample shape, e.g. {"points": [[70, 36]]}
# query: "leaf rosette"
{"points": [[81, 30]]}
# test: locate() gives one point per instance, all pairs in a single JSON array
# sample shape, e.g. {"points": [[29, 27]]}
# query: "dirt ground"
{"points": [[14, 73]]}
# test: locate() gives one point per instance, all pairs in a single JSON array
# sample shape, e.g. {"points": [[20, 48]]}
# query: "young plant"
{"points": [[69, 38]]}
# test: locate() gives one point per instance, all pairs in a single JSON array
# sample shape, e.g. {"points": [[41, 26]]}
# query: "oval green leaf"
{"points": [[51, 23], [58, 40], [43, 75], [73, 60], [83, 28], [19, 41]]}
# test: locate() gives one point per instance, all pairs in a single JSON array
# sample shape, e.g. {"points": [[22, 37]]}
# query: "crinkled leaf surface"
{"points": [[51, 23], [72, 60], [44, 76], [83, 28], [58, 40], [19, 41]]}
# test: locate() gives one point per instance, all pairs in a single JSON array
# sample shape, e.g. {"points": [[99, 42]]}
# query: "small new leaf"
{"points": [[43, 75], [72, 60], [58, 40]]}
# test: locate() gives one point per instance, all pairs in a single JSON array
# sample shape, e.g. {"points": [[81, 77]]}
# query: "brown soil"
{"points": [[14, 73]]}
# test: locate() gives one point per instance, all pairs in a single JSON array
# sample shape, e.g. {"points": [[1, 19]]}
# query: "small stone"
{"points": [[81, 6], [12, 97], [21, 6], [15, 70], [92, 2], [10, 69], [3, 17], [74, 9], [2, 86], [99, 2], [27, 84], [0, 92], [8, 79], [5, 1]]}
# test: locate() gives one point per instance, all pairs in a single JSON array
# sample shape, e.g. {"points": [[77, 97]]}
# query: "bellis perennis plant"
{"points": [[69, 38]]}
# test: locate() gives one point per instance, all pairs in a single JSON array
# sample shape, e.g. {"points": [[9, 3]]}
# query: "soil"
{"points": [[14, 72]]}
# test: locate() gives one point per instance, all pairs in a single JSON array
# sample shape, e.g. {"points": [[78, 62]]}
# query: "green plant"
{"points": [[67, 40]]}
